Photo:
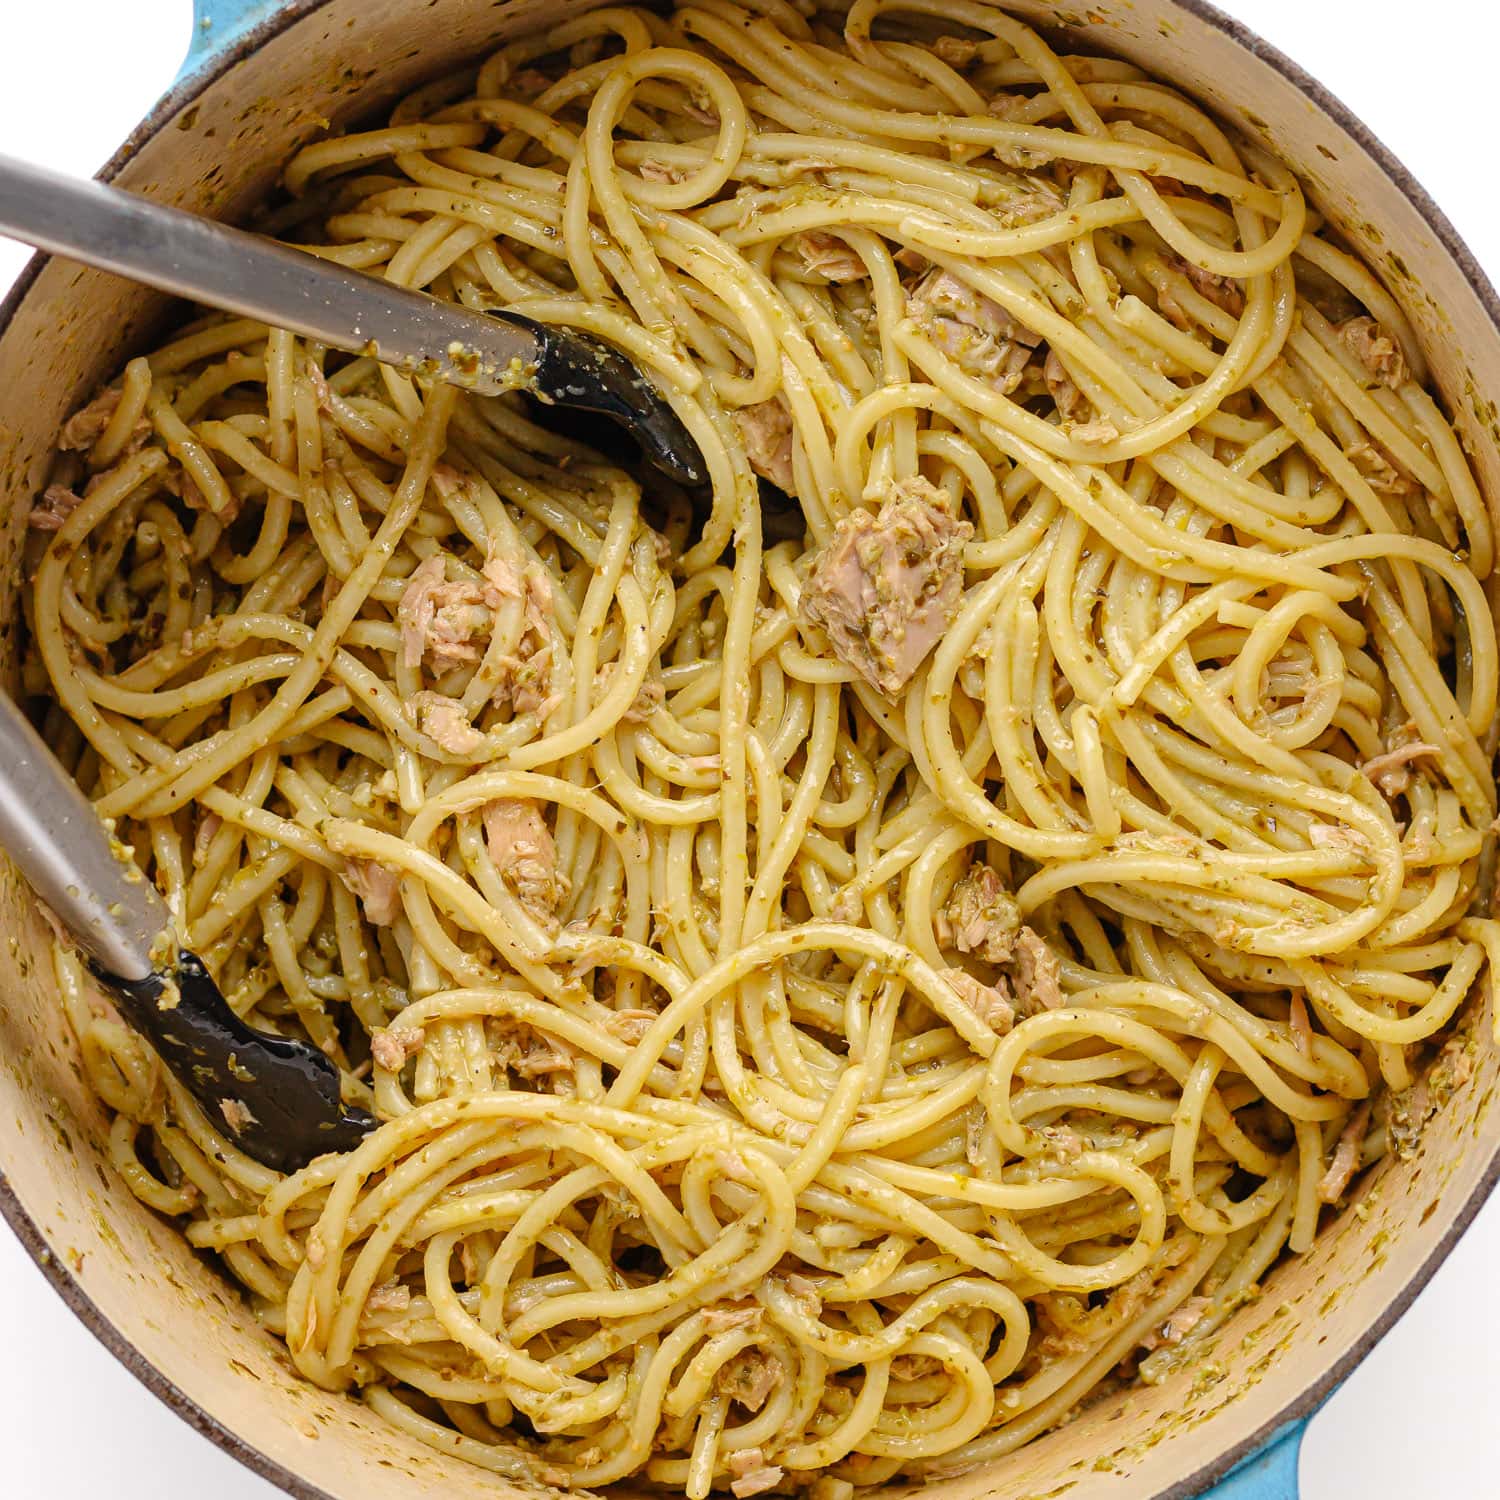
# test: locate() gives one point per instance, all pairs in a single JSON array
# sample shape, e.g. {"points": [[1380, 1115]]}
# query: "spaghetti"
{"points": [[842, 982]]}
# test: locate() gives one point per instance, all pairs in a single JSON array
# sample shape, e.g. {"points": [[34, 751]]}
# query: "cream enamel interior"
{"points": [[72, 329]]}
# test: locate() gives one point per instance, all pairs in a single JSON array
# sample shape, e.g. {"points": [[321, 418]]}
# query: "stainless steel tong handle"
{"points": [[51, 831], [257, 278]]}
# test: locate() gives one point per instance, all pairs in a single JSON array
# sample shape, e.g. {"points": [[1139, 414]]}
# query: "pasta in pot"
{"points": [[841, 982]]}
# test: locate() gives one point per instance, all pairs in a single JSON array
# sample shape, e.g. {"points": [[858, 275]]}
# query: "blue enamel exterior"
{"points": [[217, 23], [1272, 1473]]}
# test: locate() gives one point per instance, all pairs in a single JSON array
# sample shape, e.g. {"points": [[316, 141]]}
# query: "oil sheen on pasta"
{"points": [[835, 998]]}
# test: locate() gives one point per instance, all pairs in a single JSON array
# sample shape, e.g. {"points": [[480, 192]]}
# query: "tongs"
{"points": [[277, 1098], [255, 277]]}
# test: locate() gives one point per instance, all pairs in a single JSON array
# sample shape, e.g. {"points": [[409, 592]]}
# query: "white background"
{"points": [[1416, 1422]]}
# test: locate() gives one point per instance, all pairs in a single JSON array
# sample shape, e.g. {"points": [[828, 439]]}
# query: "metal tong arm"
{"points": [[51, 831], [258, 278], [279, 1097]]}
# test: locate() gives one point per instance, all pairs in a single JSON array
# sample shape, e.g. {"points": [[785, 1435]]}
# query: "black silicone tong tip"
{"points": [[276, 1098], [573, 369]]}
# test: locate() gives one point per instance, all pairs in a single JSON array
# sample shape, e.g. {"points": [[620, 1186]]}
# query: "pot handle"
{"points": [[217, 25], [1270, 1474]]}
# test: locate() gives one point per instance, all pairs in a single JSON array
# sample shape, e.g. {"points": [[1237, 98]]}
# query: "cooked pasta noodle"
{"points": [[849, 968]]}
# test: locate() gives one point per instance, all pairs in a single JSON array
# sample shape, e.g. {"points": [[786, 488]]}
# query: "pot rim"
{"points": [[1299, 1407]]}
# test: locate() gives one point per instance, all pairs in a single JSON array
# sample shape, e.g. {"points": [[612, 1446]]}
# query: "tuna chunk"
{"points": [[529, 1052], [1222, 291], [980, 917], [450, 623], [828, 255], [83, 428], [1346, 1156], [988, 1001], [1071, 403], [1038, 975], [180, 483], [958, 52], [524, 855], [1074, 407], [766, 429], [1338, 838], [1064, 1144], [204, 835], [749, 1378], [652, 695], [444, 720], [630, 1025], [805, 1292], [1376, 350], [659, 171], [887, 586], [378, 888], [55, 506], [752, 1474], [1375, 466], [756, 1481], [526, 675], [391, 1048], [505, 580], [1030, 206], [1177, 1327], [978, 335], [322, 391], [538, 597], [726, 1315], [389, 1296], [1388, 771], [447, 621], [915, 1367], [1300, 1023]]}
